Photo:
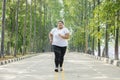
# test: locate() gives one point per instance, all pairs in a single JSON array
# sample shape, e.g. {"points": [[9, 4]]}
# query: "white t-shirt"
{"points": [[57, 40]]}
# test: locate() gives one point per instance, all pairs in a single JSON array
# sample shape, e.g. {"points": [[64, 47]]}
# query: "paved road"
{"points": [[76, 67]]}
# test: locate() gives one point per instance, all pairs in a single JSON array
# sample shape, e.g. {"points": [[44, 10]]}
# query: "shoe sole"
{"points": [[56, 70]]}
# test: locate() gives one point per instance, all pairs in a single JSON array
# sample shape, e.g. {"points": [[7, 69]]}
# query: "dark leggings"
{"points": [[59, 55]]}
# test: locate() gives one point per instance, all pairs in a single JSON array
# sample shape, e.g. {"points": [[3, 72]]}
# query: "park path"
{"points": [[76, 67]]}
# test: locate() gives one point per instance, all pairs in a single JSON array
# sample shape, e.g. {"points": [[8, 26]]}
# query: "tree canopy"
{"points": [[93, 24]]}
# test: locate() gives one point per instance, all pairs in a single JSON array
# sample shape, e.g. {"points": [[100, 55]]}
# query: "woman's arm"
{"points": [[50, 38], [67, 35]]}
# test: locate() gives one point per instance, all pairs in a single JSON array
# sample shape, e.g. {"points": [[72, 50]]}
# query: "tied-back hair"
{"points": [[61, 22]]}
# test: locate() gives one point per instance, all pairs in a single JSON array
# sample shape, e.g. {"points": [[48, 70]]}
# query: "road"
{"points": [[76, 67]]}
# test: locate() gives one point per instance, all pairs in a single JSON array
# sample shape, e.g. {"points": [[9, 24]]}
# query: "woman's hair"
{"points": [[61, 22]]}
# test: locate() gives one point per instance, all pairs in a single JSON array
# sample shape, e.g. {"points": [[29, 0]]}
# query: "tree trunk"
{"points": [[106, 41], [3, 27], [93, 38], [24, 35], [86, 23], [12, 19], [40, 29], [117, 37], [83, 25], [8, 48], [16, 40], [34, 48], [31, 42], [99, 49]]}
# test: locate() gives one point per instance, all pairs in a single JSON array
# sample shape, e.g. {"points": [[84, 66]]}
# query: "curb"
{"points": [[4, 62], [106, 60]]}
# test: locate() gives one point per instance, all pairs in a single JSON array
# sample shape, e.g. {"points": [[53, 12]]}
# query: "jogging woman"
{"points": [[59, 39]]}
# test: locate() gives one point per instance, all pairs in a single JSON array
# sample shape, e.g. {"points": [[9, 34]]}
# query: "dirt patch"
{"points": [[11, 57]]}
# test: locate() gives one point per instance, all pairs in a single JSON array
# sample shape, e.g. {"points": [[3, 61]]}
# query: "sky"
{"points": [[29, 1], [61, 1]]}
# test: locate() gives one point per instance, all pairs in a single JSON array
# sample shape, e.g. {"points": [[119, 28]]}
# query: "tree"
{"points": [[117, 37], [3, 27], [31, 43], [25, 25], [99, 49], [16, 41]]}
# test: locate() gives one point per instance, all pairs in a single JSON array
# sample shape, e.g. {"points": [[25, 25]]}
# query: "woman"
{"points": [[58, 38]]}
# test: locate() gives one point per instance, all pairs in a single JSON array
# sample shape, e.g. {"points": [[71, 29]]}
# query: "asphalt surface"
{"points": [[76, 67]]}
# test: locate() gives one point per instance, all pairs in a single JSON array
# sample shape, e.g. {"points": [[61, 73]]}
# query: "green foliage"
{"points": [[47, 14], [83, 17]]}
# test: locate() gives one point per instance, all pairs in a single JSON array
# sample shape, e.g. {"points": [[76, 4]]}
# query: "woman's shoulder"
{"points": [[53, 30], [65, 28]]}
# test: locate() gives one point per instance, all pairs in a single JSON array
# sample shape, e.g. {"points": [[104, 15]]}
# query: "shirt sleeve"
{"points": [[66, 31], [52, 31]]}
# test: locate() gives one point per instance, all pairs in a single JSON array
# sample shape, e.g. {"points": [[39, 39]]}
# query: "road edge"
{"points": [[4, 62], [106, 60]]}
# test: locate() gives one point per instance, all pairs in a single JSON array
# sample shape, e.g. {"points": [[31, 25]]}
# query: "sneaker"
{"points": [[61, 69], [56, 70]]}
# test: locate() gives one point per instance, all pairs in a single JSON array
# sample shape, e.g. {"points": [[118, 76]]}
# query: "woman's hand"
{"points": [[51, 41], [64, 37], [61, 35]]}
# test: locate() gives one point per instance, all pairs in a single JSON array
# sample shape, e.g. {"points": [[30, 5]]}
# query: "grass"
{"points": [[11, 57]]}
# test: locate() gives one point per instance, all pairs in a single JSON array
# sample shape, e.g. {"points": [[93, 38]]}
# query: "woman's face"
{"points": [[60, 25]]}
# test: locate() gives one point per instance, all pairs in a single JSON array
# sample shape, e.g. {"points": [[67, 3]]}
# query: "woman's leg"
{"points": [[57, 55], [63, 51], [56, 59]]}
